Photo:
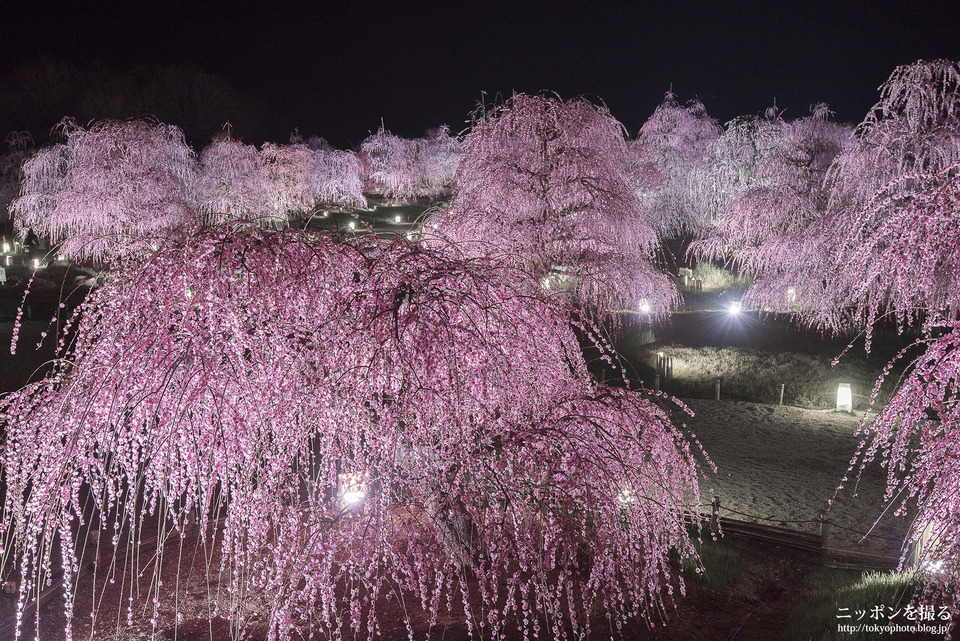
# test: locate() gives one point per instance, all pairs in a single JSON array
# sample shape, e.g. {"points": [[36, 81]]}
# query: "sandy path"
{"points": [[781, 466]]}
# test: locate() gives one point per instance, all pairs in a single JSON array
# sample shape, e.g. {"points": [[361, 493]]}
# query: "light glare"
{"points": [[353, 497], [844, 398]]}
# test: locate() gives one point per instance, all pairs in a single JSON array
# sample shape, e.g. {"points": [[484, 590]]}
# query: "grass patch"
{"points": [[720, 564], [803, 364], [754, 375], [825, 591], [716, 278]]}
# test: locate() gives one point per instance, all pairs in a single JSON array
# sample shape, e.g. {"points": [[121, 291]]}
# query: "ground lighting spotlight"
{"points": [[735, 307], [353, 487]]}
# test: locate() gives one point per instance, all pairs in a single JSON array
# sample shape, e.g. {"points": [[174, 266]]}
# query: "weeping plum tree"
{"points": [[731, 163], [895, 202], [913, 129], [404, 170], [442, 157], [676, 140], [348, 424], [112, 189], [227, 184], [777, 228], [238, 182], [296, 178], [338, 176], [906, 258], [544, 185]]}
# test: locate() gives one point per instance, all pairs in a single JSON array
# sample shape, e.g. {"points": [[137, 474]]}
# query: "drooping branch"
{"points": [[544, 184], [242, 374]]}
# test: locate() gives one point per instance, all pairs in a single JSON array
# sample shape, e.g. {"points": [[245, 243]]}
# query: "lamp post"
{"points": [[844, 398]]}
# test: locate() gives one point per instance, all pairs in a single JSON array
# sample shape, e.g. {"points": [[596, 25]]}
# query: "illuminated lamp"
{"points": [[844, 398]]}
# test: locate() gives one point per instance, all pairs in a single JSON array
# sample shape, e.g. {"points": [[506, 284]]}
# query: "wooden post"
{"points": [[824, 532], [781, 393], [656, 383], [715, 514], [919, 548], [716, 389]]}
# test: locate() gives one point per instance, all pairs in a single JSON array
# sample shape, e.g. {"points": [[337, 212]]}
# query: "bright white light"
{"points": [[353, 487], [398, 219], [644, 306], [844, 398], [6, 248], [933, 567], [735, 307], [791, 295], [353, 497], [36, 263], [626, 497], [352, 225]]}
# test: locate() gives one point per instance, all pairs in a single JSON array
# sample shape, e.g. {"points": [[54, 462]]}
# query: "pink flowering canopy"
{"points": [[403, 170], [238, 182], [913, 130], [228, 184], [256, 383], [917, 434], [110, 190], [777, 227], [905, 252], [544, 185], [894, 202], [677, 141], [902, 256]]}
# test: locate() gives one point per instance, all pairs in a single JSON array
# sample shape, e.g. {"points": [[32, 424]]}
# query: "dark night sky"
{"points": [[336, 68]]}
